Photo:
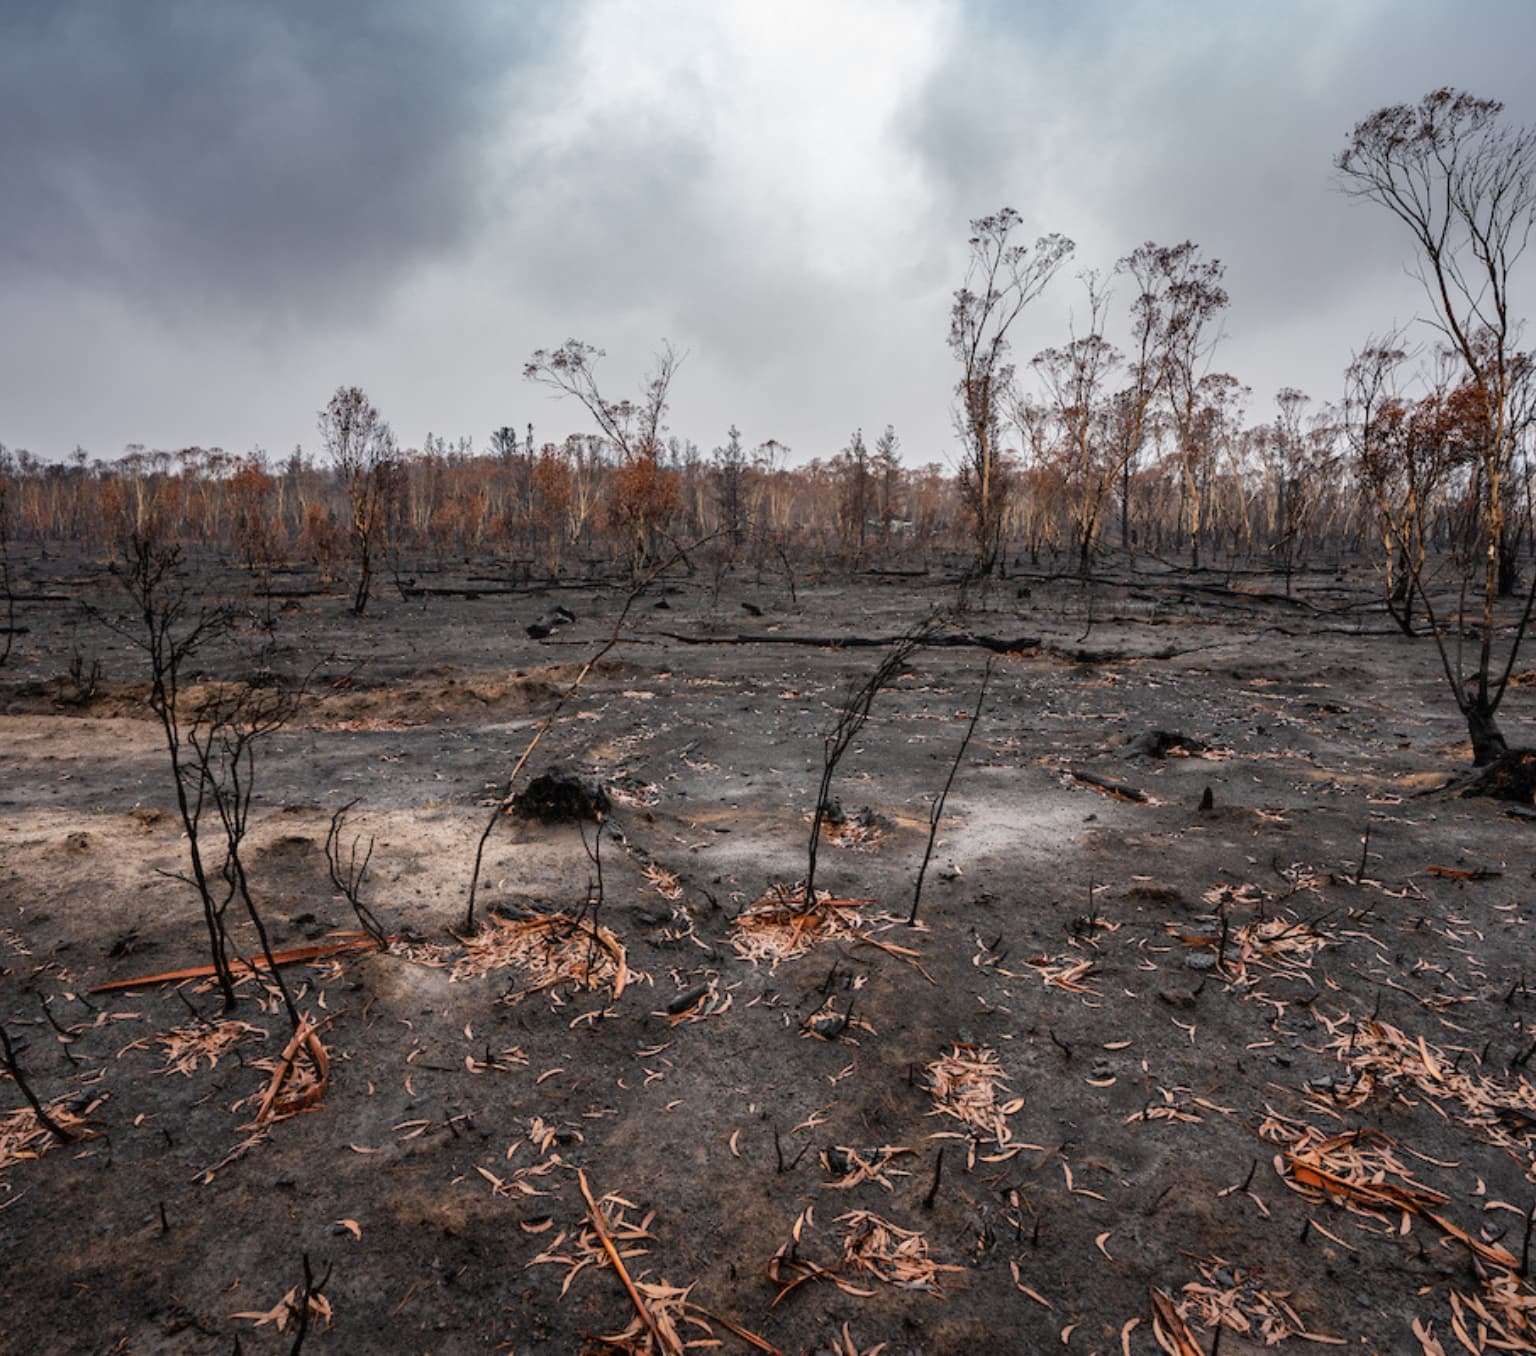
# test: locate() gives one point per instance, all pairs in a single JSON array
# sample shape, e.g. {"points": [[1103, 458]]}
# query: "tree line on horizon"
{"points": [[1125, 434], [1290, 488]]}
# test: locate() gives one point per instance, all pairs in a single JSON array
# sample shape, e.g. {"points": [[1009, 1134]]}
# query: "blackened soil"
{"points": [[1173, 995]]}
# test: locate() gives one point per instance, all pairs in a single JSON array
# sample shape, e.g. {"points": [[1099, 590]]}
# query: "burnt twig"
{"points": [[348, 875], [936, 811], [13, 1067]]}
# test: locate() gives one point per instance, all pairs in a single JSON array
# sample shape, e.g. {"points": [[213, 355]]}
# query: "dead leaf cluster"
{"points": [[899, 1257], [657, 1332], [551, 949], [1385, 1058], [871, 1246], [1232, 1298], [660, 1309], [1502, 1318], [664, 882], [1283, 945], [286, 1311], [1356, 1169], [188, 1046], [969, 1084], [782, 925], [697, 1003], [580, 1247], [297, 1084], [1177, 1104], [24, 1138], [853, 1167], [1064, 972], [859, 833]]}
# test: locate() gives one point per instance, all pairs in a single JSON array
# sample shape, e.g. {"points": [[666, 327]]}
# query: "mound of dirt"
{"points": [[1162, 744], [556, 797]]}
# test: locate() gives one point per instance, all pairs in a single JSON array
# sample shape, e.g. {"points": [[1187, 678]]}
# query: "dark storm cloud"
{"points": [[215, 212], [1206, 122], [269, 155], [615, 220]]}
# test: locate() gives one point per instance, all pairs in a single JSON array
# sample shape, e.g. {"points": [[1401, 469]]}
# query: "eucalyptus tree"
{"points": [[361, 446], [1003, 277], [1462, 182]]}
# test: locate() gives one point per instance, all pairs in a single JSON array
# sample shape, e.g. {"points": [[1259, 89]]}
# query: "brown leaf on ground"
{"points": [[24, 1138], [1169, 1328], [1229, 1296], [1386, 1059], [871, 1246], [853, 1167], [553, 949], [286, 1311], [781, 925], [969, 1084], [188, 1046], [1353, 1169], [579, 1248]]}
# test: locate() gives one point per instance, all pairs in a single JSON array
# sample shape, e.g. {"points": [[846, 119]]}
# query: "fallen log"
{"points": [[1465, 873], [952, 640], [1160, 744], [1078, 655], [342, 945], [1232, 595], [1120, 790]]}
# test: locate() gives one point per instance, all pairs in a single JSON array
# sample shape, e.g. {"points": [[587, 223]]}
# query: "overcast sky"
{"points": [[214, 213]]}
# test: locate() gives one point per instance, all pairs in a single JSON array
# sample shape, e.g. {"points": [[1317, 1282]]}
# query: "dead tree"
{"points": [[169, 629], [222, 735], [850, 720], [362, 447], [7, 588], [1081, 417], [644, 494], [731, 464], [936, 810], [1375, 427], [1002, 279], [1463, 183], [348, 874], [1193, 298], [210, 742]]}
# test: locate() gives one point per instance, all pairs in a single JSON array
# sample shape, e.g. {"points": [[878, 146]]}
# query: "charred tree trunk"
{"points": [[1509, 565], [1488, 743], [364, 576]]}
